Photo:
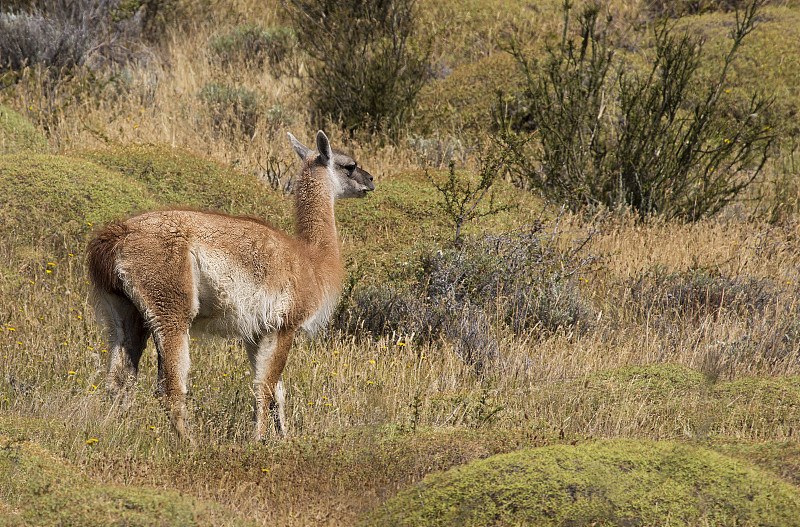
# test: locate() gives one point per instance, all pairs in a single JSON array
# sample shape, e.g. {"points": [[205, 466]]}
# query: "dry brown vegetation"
{"points": [[688, 331]]}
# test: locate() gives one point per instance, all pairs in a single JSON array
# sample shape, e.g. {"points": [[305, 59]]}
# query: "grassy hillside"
{"points": [[557, 366]]}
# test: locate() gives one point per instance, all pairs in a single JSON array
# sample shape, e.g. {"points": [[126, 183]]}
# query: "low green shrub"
{"points": [[232, 110], [251, 44]]}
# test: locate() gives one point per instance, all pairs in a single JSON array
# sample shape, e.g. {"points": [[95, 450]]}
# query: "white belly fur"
{"points": [[229, 302]]}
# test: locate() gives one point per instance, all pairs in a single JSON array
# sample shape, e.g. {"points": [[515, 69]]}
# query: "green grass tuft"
{"points": [[18, 135]]}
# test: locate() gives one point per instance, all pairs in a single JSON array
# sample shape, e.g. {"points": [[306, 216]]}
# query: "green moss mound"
{"points": [[756, 404], [51, 204], [619, 482], [654, 377], [18, 135], [781, 459], [671, 399], [176, 177], [56, 198], [37, 488]]}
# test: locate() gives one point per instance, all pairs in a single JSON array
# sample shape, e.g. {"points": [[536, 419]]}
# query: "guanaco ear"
{"points": [[324, 146], [302, 150]]}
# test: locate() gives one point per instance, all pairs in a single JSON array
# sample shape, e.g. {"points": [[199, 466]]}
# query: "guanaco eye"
{"points": [[350, 167]]}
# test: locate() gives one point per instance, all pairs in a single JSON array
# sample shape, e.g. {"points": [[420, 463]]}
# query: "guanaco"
{"points": [[165, 272]]}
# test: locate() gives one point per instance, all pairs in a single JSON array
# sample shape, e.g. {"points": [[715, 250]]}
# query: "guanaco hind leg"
{"points": [[277, 408], [127, 337], [267, 359], [173, 375], [166, 299]]}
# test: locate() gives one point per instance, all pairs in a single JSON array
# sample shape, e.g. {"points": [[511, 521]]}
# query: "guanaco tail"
{"points": [[165, 272]]}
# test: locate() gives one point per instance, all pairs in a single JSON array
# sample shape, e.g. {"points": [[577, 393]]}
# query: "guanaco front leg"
{"points": [[267, 359]]}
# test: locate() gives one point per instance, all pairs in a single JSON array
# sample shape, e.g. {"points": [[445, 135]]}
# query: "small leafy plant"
{"points": [[460, 197], [253, 44]]}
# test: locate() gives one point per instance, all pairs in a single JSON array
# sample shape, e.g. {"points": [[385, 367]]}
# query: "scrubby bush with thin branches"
{"points": [[233, 110], [459, 198], [650, 138], [252, 44], [367, 65]]}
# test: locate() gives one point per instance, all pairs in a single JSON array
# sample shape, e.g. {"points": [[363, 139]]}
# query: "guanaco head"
{"points": [[347, 179]]}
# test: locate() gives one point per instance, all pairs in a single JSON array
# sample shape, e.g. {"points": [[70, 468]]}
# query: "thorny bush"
{"points": [[367, 65]]}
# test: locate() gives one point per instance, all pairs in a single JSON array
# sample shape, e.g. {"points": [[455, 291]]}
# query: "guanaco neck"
{"points": [[315, 223]]}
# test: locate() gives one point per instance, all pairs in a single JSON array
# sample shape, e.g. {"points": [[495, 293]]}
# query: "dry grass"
{"points": [[369, 416]]}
